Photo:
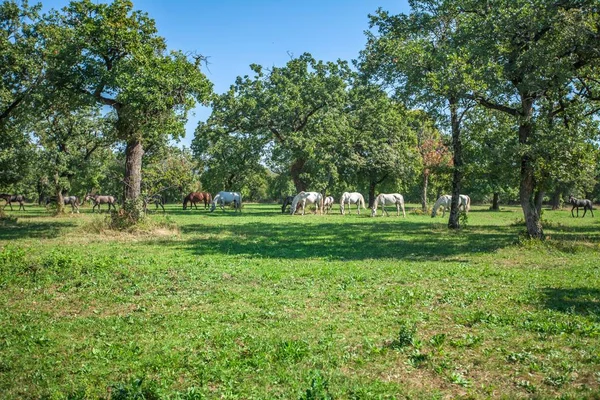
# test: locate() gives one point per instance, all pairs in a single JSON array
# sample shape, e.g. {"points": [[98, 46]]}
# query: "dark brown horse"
{"points": [[196, 197], [585, 203], [9, 198]]}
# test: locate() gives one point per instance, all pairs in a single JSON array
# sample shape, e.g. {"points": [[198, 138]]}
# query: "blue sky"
{"points": [[236, 33]]}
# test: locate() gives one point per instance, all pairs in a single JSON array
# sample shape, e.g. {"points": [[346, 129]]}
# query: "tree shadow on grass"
{"points": [[347, 241], [582, 301], [29, 230]]}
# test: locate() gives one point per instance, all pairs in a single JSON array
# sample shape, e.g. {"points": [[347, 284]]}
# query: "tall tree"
{"points": [[417, 55], [113, 55], [284, 107], [523, 52], [383, 144]]}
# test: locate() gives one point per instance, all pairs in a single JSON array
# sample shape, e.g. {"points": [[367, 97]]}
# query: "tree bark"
{"points": [[424, 192], [372, 185], [556, 200], [527, 184], [133, 169], [60, 204], [453, 221], [296, 169], [496, 202]]}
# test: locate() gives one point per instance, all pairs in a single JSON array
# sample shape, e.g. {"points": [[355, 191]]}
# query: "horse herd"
{"points": [[296, 203]]}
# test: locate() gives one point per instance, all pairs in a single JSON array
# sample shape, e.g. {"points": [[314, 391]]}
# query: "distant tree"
{"points": [[283, 107], [67, 140], [170, 172], [383, 146]]}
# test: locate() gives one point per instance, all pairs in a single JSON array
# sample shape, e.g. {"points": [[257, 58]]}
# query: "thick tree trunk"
{"points": [[453, 221], [133, 169], [527, 185], [372, 185], [424, 192], [496, 202], [295, 170], [60, 204], [555, 200], [539, 197]]}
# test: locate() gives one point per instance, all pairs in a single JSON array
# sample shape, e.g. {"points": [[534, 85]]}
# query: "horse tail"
{"points": [[362, 202], [468, 203]]}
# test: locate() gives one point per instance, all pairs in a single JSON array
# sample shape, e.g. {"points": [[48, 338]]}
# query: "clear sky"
{"points": [[236, 33]]}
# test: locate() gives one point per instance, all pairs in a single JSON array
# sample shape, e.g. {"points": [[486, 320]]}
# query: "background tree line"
{"points": [[496, 100]]}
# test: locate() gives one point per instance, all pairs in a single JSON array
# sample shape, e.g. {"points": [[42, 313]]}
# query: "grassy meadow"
{"points": [[263, 305]]}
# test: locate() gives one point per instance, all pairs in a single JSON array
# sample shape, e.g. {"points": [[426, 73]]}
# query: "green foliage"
{"points": [[319, 388], [289, 115]]}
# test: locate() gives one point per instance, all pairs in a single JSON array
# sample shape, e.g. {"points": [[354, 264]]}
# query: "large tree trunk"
{"points": [[424, 192], [527, 185], [295, 170], [372, 185], [496, 202], [133, 169], [60, 204], [556, 200], [453, 221]]}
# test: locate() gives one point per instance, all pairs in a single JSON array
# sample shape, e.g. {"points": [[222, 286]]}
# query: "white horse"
{"points": [[446, 200], [306, 197], [223, 198], [385, 199], [352, 198], [328, 203]]}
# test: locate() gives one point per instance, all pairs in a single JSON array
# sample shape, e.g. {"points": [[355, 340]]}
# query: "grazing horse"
{"points": [[445, 201], [306, 197], [385, 199], [352, 198], [585, 203], [157, 199], [9, 198], [288, 202], [73, 201], [223, 198], [98, 199], [196, 197], [328, 203]]}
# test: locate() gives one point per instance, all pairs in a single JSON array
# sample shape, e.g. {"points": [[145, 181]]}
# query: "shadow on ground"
{"points": [[348, 241], [29, 230], [582, 301]]}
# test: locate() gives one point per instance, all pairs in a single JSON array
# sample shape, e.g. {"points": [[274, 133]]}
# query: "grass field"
{"points": [[263, 305]]}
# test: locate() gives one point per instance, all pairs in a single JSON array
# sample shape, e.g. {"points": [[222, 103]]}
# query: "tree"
{"points": [[170, 171], [521, 53], [383, 144], [284, 107], [417, 56], [229, 161], [21, 59], [113, 56], [21, 69], [491, 154], [68, 140]]}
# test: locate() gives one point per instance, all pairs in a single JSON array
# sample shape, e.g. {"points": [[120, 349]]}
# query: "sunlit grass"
{"points": [[265, 305]]}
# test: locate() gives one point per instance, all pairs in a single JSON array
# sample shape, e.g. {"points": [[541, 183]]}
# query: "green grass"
{"points": [[265, 305]]}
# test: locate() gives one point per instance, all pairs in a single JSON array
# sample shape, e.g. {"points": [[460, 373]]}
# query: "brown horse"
{"points": [[97, 200], [196, 197], [9, 198]]}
